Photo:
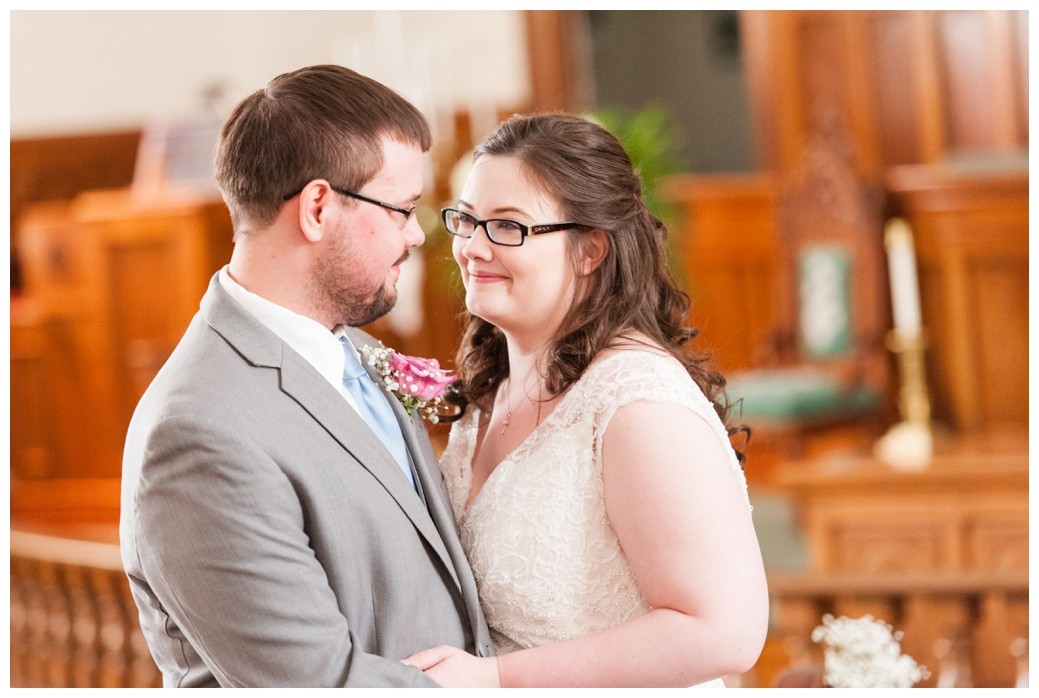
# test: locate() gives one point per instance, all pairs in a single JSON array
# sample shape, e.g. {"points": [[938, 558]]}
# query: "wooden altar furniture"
{"points": [[970, 223], [824, 363], [58, 168], [967, 511], [111, 282], [909, 87], [787, 282], [970, 226], [962, 521], [915, 86], [727, 247]]}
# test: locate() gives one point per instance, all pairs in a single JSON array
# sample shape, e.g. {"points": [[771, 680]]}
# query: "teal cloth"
{"points": [[797, 393], [824, 325]]}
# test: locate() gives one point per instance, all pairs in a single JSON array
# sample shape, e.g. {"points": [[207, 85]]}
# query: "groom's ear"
{"points": [[314, 209], [594, 246]]}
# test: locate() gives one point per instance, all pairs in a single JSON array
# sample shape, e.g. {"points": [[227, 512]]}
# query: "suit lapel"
{"points": [[301, 382], [426, 470], [438, 505], [313, 393], [431, 480]]}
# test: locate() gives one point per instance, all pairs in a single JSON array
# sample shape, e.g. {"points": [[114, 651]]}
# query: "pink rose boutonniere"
{"points": [[418, 383]]}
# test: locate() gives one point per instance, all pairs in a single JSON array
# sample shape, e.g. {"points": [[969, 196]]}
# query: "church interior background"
{"points": [[847, 195]]}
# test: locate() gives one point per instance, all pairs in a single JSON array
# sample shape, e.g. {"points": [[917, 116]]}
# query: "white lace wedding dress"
{"points": [[547, 562]]}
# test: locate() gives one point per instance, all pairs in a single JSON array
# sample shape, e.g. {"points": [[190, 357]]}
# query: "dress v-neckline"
{"points": [[511, 456], [523, 445]]}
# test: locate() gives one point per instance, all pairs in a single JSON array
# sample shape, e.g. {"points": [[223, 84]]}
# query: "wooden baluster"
{"points": [[112, 629], [797, 617], [951, 622], [1019, 648], [143, 673], [992, 661], [85, 641], [1017, 615], [39, 618], [36, 626], [59, 627], [40, 594], [19, 624], [954, 663], [931, 623]]}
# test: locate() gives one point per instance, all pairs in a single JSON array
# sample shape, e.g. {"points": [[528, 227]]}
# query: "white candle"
{"points": [[905, 291]]}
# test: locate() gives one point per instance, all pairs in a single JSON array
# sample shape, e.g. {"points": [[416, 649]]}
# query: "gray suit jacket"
{"points": [[269, 537]]}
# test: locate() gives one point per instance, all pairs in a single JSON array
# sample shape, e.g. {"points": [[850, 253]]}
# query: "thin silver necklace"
{"points": [[508, 407], [508, 410]]}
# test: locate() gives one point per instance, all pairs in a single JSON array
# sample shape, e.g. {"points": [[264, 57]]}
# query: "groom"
{"points": [[274, 532]]}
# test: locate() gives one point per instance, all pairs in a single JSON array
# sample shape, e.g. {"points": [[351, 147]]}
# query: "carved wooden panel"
{"points": [[997, 541], [966, 511], [824, 200], [872, 546], [916, 86]]}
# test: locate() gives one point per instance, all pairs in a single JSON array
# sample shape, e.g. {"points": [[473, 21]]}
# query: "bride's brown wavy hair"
{"points": [[632, 291]]}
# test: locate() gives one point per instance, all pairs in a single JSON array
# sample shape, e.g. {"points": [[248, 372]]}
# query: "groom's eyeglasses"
{"points": [[406, 212]]}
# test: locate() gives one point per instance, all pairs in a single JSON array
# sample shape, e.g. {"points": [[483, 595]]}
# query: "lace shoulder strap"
{"points": [[633, 375]]}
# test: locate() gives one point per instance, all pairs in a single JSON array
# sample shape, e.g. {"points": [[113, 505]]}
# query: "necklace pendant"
{"points": [[505, 424]]}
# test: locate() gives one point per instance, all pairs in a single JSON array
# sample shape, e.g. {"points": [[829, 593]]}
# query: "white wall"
{"points": [[81, 71]]}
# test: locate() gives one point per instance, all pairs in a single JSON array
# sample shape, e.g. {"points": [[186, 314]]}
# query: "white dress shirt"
{"points": [[308, 338]]}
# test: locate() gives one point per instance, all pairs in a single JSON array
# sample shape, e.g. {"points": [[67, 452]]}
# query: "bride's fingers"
{"points": [[431, 657]]}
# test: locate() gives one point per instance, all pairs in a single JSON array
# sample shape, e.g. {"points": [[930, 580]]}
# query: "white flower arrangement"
{"points": [[865, 653]]}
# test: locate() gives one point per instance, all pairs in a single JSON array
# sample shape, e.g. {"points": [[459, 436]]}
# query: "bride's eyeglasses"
{"points": [[500, 231]]}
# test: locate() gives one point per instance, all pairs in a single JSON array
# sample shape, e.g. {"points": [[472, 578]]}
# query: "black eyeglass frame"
{"points": [[525, 230], [406, 212]]}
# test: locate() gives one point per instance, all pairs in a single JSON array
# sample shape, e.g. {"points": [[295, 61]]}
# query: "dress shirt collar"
{"points": [[308, 338]]}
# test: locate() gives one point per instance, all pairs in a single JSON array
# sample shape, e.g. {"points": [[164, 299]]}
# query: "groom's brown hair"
{"points": [[322, 121]]}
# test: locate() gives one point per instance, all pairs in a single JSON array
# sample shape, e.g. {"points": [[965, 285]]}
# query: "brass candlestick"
{"points": [[909, 445], [913, 402]]}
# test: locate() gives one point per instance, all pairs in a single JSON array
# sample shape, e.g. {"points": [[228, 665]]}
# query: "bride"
{"points": [[599, 500]]}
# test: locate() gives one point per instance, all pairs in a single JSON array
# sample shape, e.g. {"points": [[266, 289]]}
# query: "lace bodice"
{"points": [[547, 562]]}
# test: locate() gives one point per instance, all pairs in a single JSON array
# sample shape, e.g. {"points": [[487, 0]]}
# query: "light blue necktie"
{"points": [[374, 409]]}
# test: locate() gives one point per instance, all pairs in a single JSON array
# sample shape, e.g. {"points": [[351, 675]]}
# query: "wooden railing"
{"points": [[73, 621], [968, 629]]}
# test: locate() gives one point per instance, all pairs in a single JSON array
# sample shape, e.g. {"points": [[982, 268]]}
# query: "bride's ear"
{"points": [[594, 246]]}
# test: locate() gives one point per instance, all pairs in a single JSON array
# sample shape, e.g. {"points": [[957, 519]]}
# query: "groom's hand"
{"points": [[431, 657], [455, 668]]}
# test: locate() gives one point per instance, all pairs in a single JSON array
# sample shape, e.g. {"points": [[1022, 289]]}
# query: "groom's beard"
{"points": [[336, 284]]}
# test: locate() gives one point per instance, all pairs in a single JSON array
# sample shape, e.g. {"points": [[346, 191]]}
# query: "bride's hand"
{"points": [[455, 668]]}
